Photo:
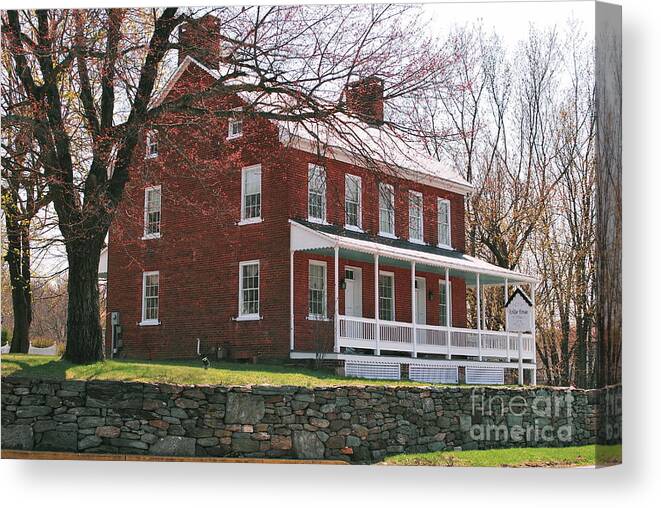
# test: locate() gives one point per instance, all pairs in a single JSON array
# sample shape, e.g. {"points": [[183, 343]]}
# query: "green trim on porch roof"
{"points": [[347, 254]]}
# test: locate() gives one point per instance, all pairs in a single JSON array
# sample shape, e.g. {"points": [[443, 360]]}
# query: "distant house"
{"points": [[319, 257]]}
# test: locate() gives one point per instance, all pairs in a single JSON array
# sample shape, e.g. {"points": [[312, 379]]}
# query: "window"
{"points": [[444, 223], [151, 145], [316, 193], [152, 227], [387, 296], [352, 201], [415, 217], [235, 126], [251, 194], [150, 298], [445, 304], [386, 210], [317, 290], [249, 290]]}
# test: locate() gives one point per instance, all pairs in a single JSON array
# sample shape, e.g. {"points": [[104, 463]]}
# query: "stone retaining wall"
{"points": [[356, 424]]}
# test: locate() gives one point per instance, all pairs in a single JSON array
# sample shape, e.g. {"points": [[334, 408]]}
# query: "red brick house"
{"points": [[264, 246]]}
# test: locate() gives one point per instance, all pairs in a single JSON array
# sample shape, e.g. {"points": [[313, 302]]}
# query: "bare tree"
{"points": [[519, 122], [24, 194]]}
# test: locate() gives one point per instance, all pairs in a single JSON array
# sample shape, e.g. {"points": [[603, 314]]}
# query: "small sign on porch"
{"points": [[519, 312]]}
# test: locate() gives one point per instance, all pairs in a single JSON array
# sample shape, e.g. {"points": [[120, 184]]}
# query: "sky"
{"points": [[511, 20]]}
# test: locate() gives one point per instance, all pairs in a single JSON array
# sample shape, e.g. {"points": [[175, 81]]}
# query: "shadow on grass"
{"points": [[51, 368]]}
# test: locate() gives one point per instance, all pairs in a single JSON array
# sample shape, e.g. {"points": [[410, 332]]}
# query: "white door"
{"points": [[421, 300], [353, 294]]}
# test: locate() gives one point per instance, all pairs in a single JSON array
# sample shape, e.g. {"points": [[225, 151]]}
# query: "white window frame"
{"points": [[324, 203], [255, 315], [145, 226], [244, 219], [144, 321], [387, 234], [233, 121], [394, 307], [438, 227], [413, 195], [354, 179], [448, 303], [151, 139], [324, 316]]}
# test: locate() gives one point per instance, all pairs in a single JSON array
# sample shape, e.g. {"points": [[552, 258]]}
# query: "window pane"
{"points": [[386, 209], [153, 211], [151, 297], [352, 199], [317, 192], [250, 289], [445, 304], [252, 198], [443, 223], [415, 216], [317, 290], [386, 297], [235, 127], [152, 144]]}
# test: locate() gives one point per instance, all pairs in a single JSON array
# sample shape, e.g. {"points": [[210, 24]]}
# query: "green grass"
{"points": [[515, 457], [180, 372]]}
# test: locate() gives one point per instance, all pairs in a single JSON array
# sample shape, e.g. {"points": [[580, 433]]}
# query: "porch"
{"points": [[412, 329]]}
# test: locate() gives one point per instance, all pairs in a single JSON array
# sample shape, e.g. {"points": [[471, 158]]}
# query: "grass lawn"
{"points": [[180, 372], [515, 457]]}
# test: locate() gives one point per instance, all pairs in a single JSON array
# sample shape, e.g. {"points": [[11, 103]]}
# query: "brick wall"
{"points": [[200, 247]]}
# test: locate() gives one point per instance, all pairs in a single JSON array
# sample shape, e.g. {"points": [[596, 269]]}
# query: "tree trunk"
{"points": [[18, 259], [84, 337]]}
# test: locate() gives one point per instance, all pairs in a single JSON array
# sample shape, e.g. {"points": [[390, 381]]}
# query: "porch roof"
{"points": [[322, 239]]}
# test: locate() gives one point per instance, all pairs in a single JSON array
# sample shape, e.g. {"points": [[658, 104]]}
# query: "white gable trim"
{"points": [[175, 77]]}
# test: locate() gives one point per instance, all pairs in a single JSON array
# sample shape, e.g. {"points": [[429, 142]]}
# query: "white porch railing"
{"points": [[357, 332]]}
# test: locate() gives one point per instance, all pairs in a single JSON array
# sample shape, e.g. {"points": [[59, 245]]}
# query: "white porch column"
{"points": [[520, 339], [507, 335], [377, 331], [479, 318], [448, 310], [534, 336], [413, 310], [291, 300], [336, 335]]}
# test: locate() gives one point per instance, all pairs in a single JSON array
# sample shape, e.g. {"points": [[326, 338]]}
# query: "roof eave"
{"points": [[342, 155]]}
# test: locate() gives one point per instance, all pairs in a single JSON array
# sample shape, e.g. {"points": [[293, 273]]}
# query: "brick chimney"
{"points": [[364, 99], [200, 38]]}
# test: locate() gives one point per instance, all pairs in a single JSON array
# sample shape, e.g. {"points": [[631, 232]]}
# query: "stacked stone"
{"points": [[361, 424]]}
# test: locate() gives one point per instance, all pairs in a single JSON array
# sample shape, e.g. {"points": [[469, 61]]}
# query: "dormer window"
{"points": [[235, 126], [151, 145]]}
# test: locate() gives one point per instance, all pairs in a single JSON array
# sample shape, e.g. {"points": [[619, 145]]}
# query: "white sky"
{"points": [[511, 20]]}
